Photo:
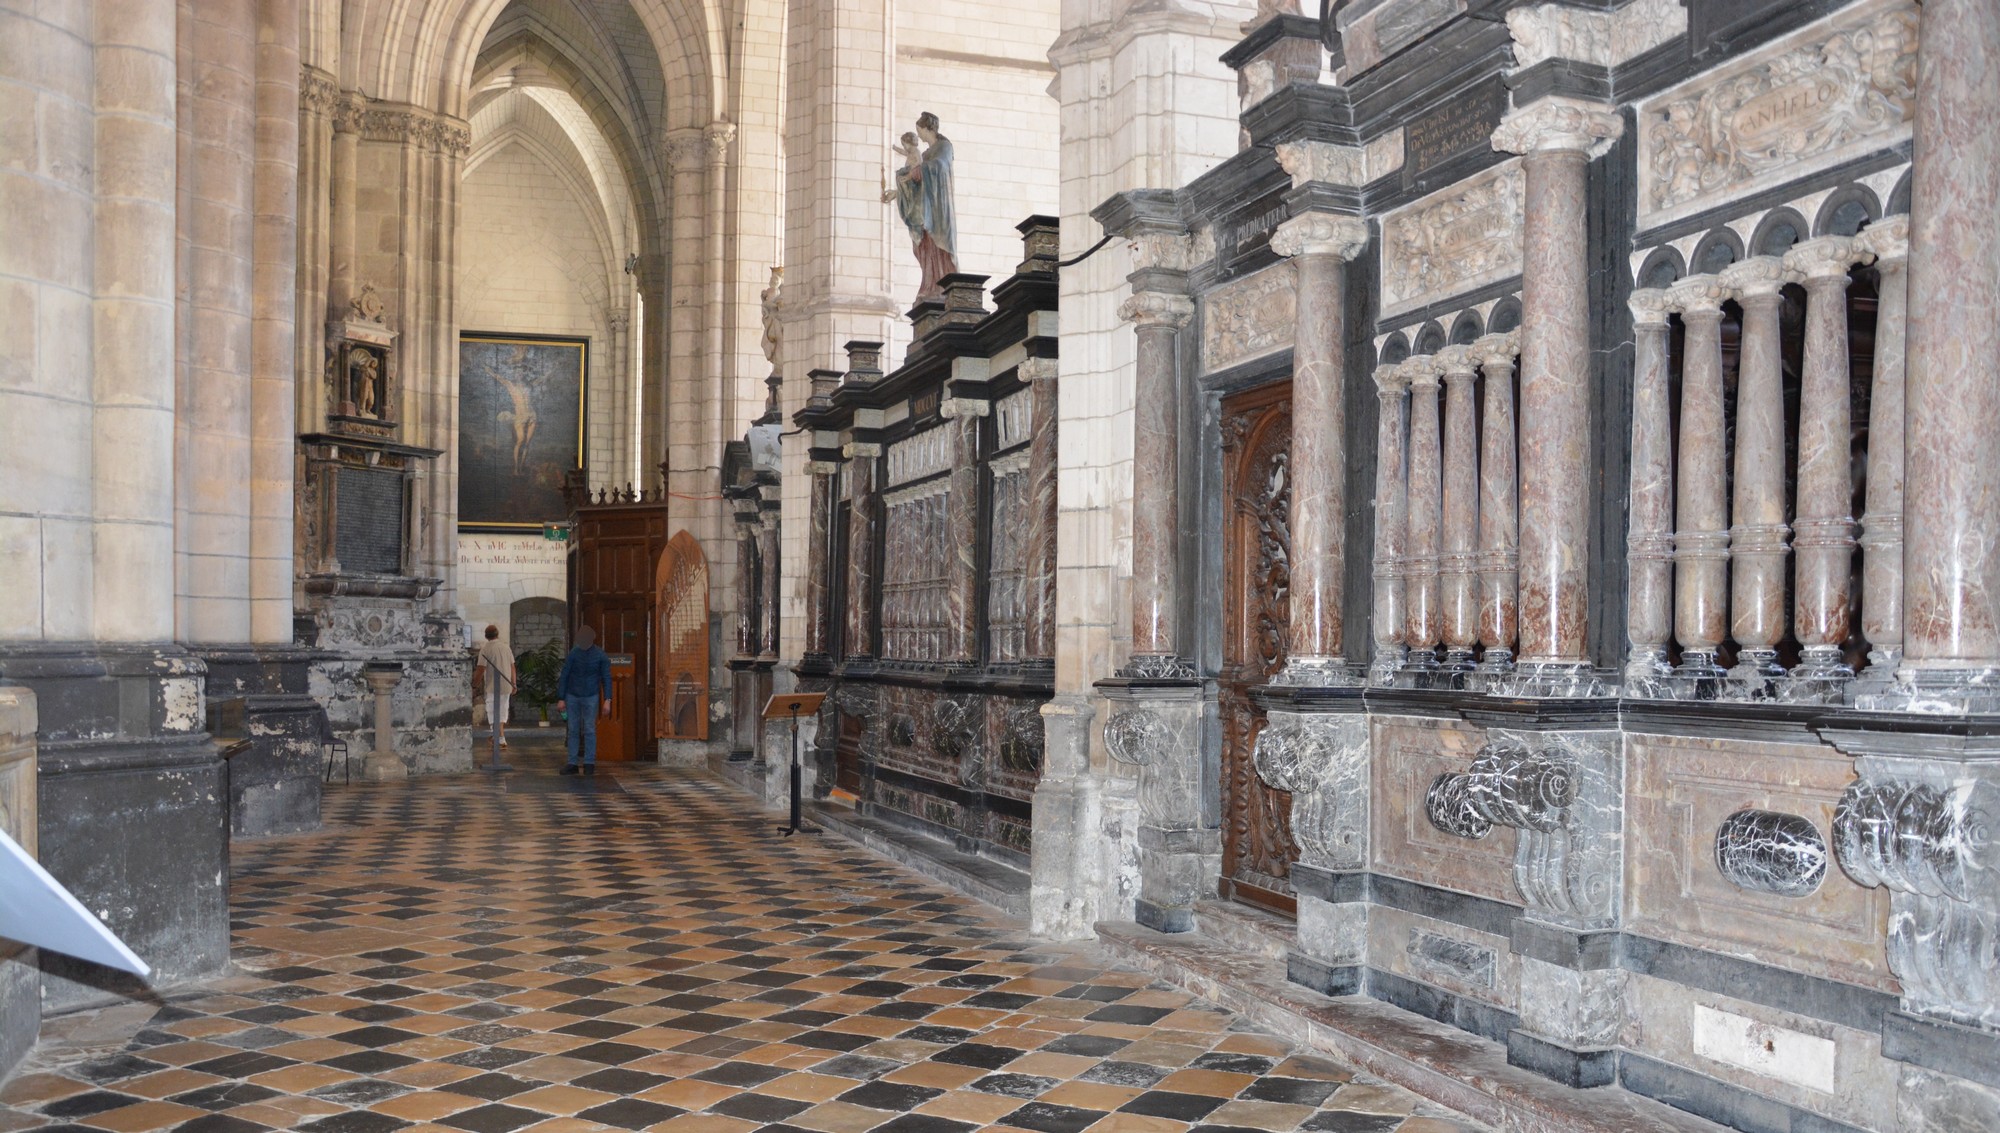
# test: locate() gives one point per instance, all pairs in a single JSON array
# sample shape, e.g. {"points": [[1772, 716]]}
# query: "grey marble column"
{"points": [[768, 574], [1386, 617], [819, 562], [863, 524], [1649, 540], [1499, 519], [1882, 521], [1558, 138], [1457, 581], [1758, 539], [746, 577], [1320, 245], [1156, 648], [1422, 623], [1701, 531], [1952, 507], [962, 529], [1823, 529], [1040, 643]]}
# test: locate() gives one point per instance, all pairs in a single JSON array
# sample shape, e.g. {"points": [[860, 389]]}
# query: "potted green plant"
{"points": [[537, 670]]}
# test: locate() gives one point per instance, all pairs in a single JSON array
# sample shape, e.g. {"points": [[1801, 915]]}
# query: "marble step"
{"points": [[1002, 886], [1438, 1062], [1245, 929]]}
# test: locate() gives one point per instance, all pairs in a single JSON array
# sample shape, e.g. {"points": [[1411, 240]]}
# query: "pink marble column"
{"points": [[1320, 245], [863, 525], [1386, 615], [1952, 509], [1158, 317], [1882, 522], [1558, 138], [819, 562], [961, 521], [1458, 593], [1701, 534], [1422, 616], [1499, 531], [1758, 539], [1649, 540], [1040, 583], [1823, 539]]}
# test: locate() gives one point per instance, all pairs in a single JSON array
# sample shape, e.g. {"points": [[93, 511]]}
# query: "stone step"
{"points": [[1245, 929], [1001, 886], [1435, 1061]]}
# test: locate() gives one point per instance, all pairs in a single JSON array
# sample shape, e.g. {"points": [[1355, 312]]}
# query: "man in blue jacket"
{"points": [[585, 686]]}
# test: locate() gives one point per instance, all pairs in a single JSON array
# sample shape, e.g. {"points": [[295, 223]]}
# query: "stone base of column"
{"points": [[1333, 929], [1877, 679], [1553, 679], [1572, 1005], [1387, 663], [1647, 674], [383, 767], [1755, 676], [1155, 725], [1822, 677], [1319, 672], [1071, 886], [1936, 691], [274, 787]]}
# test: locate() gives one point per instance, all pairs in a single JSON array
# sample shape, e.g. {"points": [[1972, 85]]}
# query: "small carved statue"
{"points": [[367, 380], [923, 198], [773, 333]]}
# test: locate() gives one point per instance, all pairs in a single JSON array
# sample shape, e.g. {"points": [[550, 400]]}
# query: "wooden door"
{"points": [[1257, 847], [621, 631], [680, 664]]}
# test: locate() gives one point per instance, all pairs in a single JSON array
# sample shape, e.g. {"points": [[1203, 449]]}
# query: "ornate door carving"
{"points": [[680, 677], [1257, 847]]}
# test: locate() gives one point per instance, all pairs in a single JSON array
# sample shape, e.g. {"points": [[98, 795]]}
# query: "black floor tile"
{"points": [[630, 1113], [1049, 1118], [897, 1097], [1296, 1091], [1172, 1105]]}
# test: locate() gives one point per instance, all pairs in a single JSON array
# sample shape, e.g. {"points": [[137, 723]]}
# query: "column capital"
{"points": [[1147, 309], [1323, 162], [618, 321], [1758, 276], [864, 449], [350, 110], [1458, 363], [1650, 306], [1037, 370], [1391, 380], [953, 408], [1424, 371], [718, 136], [1556, 123], [1497, 349], [1700, 294], [1889, 239], [1321, 234], [1162, 251], [685, 150], [823, 467], [1825, 258]]}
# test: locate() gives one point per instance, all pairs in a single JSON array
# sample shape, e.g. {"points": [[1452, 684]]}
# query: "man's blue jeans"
{"points": [[582, 721]]}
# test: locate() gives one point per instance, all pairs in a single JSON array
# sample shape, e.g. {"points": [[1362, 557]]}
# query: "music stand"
{"points": [[791, 706]]}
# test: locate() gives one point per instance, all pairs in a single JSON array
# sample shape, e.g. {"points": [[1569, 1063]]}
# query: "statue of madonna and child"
{"points": [[923, 198]]}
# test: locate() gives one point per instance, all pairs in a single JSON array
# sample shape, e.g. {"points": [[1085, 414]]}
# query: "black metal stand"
{"points": [[798, 824]]}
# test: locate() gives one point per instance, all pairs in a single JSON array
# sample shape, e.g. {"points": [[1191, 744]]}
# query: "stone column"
{"points": [[1158, 317], [691, 468], [1882, 522], [1757, 584], [1558, 138], [1952, 511], [1387, 613], [347, 116], [717, 382], [768, 575], [624, 442], [747, 637], [863, 523], [1649, 538], [1457, 590], [1499, 535], [962, 528], [1421, 622], [1701, 532], [1320, 245], [819, 559], [383, 763], [1040, 583], [1823, 540], [274, 297]]}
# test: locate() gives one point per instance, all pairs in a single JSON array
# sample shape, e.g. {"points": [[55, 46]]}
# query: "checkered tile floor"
{"points": [[638, 951]]}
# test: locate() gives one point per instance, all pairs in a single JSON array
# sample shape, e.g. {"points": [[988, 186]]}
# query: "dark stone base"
{"points": [[20, 1005], [1327, 979], [1467, 1014], [1161, 918], [1577, 1069], [1963, 1052], [274, 786]]}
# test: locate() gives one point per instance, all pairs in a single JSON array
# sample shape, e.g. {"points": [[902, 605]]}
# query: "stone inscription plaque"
{"points": [[368, 532], [1462, 125]]}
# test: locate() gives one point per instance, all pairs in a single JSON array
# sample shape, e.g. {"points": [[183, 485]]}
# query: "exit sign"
{"points": [[555, 532]]}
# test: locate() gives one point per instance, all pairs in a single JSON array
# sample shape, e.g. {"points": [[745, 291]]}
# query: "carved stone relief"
{"points": [[1457, 239], [1248, 318]]}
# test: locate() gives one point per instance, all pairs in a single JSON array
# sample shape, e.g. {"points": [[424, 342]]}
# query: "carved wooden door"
{"points": [[1257, 847], [680, 670]]}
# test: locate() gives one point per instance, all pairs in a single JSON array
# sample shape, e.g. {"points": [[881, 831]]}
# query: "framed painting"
{"points": [[520, 427]]}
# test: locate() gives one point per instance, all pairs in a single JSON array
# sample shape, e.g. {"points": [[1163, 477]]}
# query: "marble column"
{"points": [[1558, 138], [1457, 580], [1882, 521], [1386, 615], [1823, 527], [961, 522], [1040, 583], [1422, 622], [1649, 539], [1758, 539], [1320, 244], [768, 575], [1156, 647], [1952, 509], [746, 577], [819, 562], [1701, 532], [863, 524], [1499, 532]]}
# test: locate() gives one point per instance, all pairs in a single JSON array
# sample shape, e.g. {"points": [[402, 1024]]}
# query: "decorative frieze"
{"points": [[1834, 91], [1014, 419], [925, 454], [1771, 852], [1249, 317], [1604, 38], [1455, 240]]}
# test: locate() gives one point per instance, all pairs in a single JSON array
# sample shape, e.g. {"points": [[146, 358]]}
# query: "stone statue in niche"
{"points": [[923, 198], [773, 333], [364, 371]]}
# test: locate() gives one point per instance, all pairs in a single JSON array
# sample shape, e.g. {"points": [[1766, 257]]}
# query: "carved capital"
{"points": [[1321, 234], [952, 408], [1323, 162], [1555, 124], [1650, 307], [686, 152], [1495, 350], [317, 90], [1423, 372], [1037, 370], [1391, 380], [823, 467], [618, 321], [1827, 258], [1757, 276], [1888, 239], [350, 111], [1458, 363], [1148, 309], [718, 136], [1162, 251], [1699, 294], [863, 449]]}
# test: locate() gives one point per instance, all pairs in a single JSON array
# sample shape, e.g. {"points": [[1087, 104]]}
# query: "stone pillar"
{"points": [[1457, 590], [1823, 540], [1701, 531], [1320, 245], [1649, 538], [1158, 317], [274, 298], [624, 442], [819, 560], [1882, 521], [382, 762], [962, 528], [1757, 583], [342, 186], [1499, 535], [1558, 138], [1040, 583], [863, 524], [1421, 622], [678, 414], [1952, 511], [1387, 612], [718, 420]]}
